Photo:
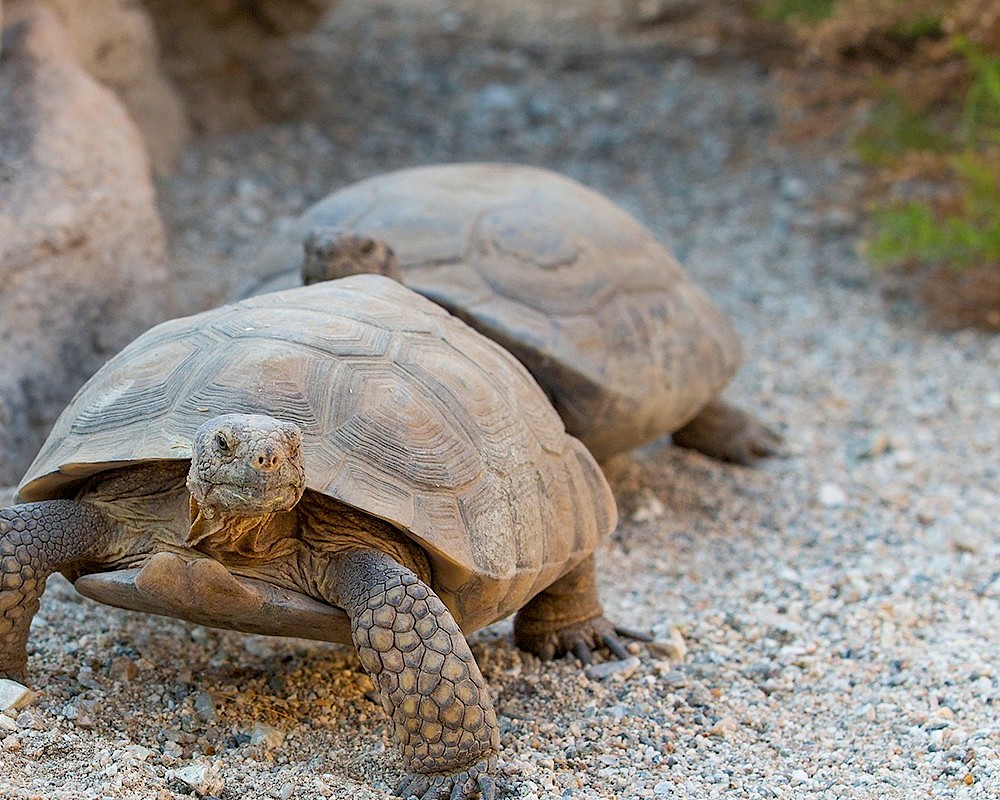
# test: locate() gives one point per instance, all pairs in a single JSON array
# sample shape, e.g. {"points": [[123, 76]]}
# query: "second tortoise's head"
{"points": [[332, 253], [246, 465]]}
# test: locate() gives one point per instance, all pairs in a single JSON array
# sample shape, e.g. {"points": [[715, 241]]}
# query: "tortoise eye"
{"points": [[367, 247], [222, 441]]}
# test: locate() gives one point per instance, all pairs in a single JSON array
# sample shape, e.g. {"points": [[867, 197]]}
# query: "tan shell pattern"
{"points": [[626, 345], [406, 413]]}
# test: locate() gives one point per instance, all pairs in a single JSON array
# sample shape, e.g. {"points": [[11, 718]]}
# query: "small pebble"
{"points": [[14, 695], [675, 648], [123, 669], [832, 496], [724, 727], [270, 738], [204, 706], [85, 677], [200, 777], [622, 669], [650, 509]]}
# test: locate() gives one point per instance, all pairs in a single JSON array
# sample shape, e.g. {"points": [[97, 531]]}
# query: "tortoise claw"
{"points": [[580, 639], [411, 786], [582, 651], [487, 787], [637, 636], [461, 785], [616, 647]]}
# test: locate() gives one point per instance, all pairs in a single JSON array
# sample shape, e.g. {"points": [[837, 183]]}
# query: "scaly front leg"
{"points": [[431, 687], [36, 539]]}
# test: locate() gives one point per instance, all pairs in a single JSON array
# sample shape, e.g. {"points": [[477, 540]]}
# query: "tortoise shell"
{"points": [[406, 413], [625, 344]]}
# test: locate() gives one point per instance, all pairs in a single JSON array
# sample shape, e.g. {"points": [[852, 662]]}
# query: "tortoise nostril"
{"points": [[267, 460]]}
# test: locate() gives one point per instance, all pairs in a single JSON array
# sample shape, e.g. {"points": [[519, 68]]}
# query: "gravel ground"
{"points": [[839, 608]]}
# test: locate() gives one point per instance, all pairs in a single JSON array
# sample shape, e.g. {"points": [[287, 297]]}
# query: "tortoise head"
{"points": [[334, 253], [246, 465]]}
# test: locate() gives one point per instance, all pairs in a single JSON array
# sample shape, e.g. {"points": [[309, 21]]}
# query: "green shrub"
{"points": [[958, 226], [797, 10]]}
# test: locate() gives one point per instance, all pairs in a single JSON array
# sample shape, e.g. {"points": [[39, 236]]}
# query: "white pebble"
{"points": [[14, 695], [650, 509], [200, 778], [832, 496]]}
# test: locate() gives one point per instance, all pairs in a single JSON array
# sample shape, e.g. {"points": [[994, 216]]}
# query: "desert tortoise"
{"points": [[346, 462], [625, 344]]}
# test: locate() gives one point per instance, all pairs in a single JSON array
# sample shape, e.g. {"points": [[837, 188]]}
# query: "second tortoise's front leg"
{"points": [[431, 687]]}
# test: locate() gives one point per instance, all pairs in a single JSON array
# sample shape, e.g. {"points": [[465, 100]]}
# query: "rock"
{"points": [[724, 727], [204, 706], [81, 242], [13, 695], [675, 648], [657, 12], [270, 738], [123, 668], [116, 42], [226, 57], [831, 496], [649, 509], [203, 779], [621, 669]]}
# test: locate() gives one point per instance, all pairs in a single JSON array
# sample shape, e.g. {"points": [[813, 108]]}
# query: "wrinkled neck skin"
{"points": [[249, 539], [153, 510]]}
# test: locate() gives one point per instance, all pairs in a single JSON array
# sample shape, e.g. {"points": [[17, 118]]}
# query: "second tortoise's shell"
{"points": [[406, 413], [626, 345]]}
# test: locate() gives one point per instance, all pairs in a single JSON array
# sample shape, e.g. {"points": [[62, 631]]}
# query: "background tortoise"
{"points": [[627, 347], [439, 492]]}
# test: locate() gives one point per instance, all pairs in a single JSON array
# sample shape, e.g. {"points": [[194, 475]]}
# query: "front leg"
{"points": [[37, 539], [431, 687]]}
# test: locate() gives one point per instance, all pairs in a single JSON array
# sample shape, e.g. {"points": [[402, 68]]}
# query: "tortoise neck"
{"points": [[257, 538]]}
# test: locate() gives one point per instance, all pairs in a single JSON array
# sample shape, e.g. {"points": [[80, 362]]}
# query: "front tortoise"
{"points": [[625, 344], [346, 462]]}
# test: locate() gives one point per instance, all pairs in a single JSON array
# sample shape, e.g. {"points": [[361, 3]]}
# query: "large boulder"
{"points": [[82, 254], [116, 42], [224, 54]]}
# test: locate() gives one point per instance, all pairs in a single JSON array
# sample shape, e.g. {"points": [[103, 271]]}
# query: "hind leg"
{"points": [[37, 539], [727, 433], [567, 617]]}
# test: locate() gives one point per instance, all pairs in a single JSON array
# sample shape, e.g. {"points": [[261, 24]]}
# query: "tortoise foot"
{"points": [[727, 433], [582, 639], [476, 780]]}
